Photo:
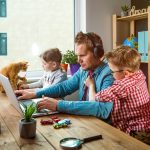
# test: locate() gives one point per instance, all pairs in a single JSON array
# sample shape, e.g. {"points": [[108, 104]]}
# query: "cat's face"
{"points": [[23, 65]]}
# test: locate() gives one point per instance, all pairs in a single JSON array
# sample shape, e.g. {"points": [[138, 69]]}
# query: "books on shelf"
{"points": [[143, 45]]}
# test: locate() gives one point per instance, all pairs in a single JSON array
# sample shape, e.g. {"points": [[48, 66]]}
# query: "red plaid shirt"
{"points": [[131, 110]]}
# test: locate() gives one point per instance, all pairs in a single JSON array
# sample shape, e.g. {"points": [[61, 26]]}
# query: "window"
{"points": [[3, 43], [2, 8], [35, 27]]}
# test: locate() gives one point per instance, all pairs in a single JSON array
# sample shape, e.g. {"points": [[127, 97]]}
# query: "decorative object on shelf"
{"points": [[136, 12], [71, 58], [27, 125], [131, 42], [125, 9]]}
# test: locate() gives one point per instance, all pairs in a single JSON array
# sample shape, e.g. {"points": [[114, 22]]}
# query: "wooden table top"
{"points": [[47, 138]]}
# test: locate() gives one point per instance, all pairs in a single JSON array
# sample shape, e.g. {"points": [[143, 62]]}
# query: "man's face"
{"points": [[85, 57]]}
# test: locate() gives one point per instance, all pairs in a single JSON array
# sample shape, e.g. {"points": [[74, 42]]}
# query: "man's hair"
{"points": [[53, 54], [92, 41], [124, 57]]}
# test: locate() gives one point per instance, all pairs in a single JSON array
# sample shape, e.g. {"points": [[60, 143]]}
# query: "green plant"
{"points": [[69, 57], [125, 8], [29, 110]]}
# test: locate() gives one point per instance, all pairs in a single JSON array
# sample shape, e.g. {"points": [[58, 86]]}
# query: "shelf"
{"points": [[144, 62], [123, 27], [133, 17]]}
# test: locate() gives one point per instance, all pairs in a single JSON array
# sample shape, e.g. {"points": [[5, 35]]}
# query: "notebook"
{"points": [[19, 104]]}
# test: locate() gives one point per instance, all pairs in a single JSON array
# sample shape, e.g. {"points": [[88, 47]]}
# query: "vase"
{"points": [[124, 13], [74, 68], [64, 67], [27, 129]]}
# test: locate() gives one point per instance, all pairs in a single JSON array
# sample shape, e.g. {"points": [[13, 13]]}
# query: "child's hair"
{"points": [[53, 54], [124, 57]]}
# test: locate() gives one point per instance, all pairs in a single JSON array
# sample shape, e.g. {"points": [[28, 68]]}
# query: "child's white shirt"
{"points": [[49, 78]]}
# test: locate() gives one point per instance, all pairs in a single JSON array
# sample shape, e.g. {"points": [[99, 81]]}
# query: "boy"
{"points": [[53, 74], [129, 93]]}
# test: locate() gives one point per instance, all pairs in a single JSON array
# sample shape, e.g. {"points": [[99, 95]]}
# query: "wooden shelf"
{"points": [[123, 27], [133, 17], [144, 62]]}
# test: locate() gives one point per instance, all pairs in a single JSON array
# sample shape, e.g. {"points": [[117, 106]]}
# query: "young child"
{"points": [[129, 93], [53, 74]]}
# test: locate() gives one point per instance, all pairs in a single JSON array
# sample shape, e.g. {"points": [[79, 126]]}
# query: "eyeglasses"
{"points": [[112, 72]]}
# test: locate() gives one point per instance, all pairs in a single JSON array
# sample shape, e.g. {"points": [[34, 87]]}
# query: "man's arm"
{"points": [[98, 109]]}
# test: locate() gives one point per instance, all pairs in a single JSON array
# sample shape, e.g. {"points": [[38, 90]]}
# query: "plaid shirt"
{"points": [[131, 110]]}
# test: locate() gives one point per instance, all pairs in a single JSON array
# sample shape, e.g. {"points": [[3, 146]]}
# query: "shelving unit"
{"points": [[124, 27]]}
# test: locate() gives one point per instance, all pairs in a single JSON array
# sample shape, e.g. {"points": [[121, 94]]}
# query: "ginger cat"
{"points": [[11, 72]]}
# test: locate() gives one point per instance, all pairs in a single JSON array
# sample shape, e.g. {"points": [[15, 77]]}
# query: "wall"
{"points": [[99, 18], [139, 4]]}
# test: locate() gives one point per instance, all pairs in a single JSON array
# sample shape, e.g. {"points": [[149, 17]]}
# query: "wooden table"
{"points": [[47, 138]]}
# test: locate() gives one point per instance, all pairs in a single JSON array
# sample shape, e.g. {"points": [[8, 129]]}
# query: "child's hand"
{"points": [[23, 86], [89, 81]]}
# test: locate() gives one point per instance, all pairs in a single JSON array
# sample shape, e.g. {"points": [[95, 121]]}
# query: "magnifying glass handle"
{"points": [[92, 138]]}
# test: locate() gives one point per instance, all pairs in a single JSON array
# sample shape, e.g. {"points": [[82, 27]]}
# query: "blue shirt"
{"points": [[103, 79]]}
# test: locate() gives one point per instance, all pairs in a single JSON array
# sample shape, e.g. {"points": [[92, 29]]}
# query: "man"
{"points": [[89, 49]]}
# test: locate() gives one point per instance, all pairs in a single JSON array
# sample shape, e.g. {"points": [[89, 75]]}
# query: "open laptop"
{"points": [[19, 104]]}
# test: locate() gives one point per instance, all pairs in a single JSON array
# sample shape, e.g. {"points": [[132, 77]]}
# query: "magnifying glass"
{"points": [[74, 143]]}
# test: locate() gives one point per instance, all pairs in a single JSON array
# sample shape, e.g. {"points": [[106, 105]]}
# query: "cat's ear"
{"points": [[25, 63]]}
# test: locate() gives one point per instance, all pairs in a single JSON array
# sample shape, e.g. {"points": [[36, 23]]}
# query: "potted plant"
{"points": [[64, 65], [27, 125], [125, 9], [71, 58]]}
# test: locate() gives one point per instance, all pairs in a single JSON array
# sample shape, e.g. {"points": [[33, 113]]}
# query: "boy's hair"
{"points": [[92, 41], [53, 54], [124, 57]]}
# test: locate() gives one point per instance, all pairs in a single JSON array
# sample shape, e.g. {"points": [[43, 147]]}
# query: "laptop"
{"points": [[19, 104]]}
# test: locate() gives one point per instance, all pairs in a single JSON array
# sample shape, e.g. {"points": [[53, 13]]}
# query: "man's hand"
{"points": [[47, 103], [25, 94], [89, 82]]}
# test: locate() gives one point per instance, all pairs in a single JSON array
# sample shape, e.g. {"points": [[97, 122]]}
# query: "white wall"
{"points": [[99, 18]]}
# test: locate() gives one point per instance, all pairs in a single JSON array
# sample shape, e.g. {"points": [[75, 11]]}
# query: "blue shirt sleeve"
{"points": [[79, 107], [89, 108]]}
